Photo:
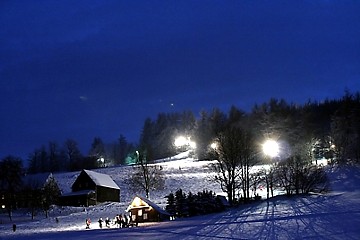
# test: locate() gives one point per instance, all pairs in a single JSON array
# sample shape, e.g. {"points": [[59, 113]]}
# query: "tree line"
{"points": [[308, 132], [323, 125], [17, 191], [189, 205], [328, 123], [68, 157]]}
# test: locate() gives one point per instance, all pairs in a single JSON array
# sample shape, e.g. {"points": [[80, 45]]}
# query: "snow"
{"points": [[101, 179], [335, 215]]}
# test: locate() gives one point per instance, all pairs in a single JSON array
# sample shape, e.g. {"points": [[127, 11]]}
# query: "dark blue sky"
{"points": [[81, 69]]}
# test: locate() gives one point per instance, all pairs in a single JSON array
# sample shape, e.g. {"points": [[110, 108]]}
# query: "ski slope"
{"points": [[335, 215]]}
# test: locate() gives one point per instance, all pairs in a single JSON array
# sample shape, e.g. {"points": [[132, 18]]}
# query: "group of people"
{"points": [[107, 222], [121, 221]]}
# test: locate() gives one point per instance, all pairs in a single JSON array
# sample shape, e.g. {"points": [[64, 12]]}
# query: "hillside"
{"points": [[335, 215], [180, 171]]}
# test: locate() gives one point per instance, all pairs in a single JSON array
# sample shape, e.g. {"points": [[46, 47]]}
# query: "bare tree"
{"points": [[296, 174], [146, 177], [235, 157], [73, 155], [54, 157]]}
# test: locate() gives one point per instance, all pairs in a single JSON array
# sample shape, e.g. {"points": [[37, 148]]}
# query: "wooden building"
{"points": [[91, 188], [143, 210]]}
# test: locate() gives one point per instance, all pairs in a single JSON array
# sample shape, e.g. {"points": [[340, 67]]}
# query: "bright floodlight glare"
{"points": [[213, 145], [271, 148], [180, 141], [192, 144]]}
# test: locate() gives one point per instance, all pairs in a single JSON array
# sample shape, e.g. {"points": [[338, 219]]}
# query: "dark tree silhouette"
{"points": [[235, 155], [73, 155], [11, 171]]}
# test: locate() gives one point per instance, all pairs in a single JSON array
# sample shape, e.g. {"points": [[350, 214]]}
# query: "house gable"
{"points": [[83, 182], [102, 189], [144, 210], [101, 179]]}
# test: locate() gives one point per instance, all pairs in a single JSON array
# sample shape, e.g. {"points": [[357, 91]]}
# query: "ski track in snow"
{"points": [[335, 215]]}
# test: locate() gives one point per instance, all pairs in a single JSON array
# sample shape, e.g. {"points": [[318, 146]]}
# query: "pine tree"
{"points": [[180, 204], [191, 201], [170, 206], [50, 195]]}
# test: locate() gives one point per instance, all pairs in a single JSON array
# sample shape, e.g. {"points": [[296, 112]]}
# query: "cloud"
{"points": [[83, 98]]}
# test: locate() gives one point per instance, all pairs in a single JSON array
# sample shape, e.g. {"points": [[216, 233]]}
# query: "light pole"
{"points": [[137, 156]]}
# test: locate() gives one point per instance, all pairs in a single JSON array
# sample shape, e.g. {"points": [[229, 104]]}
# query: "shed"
{"points": [[91, 188], [144, 210]]}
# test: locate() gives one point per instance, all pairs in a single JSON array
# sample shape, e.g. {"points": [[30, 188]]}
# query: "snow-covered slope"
{"points": [[335, 215], [180, 171]]}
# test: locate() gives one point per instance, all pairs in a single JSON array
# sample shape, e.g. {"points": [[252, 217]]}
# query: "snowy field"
{"points": [[335, 215]]}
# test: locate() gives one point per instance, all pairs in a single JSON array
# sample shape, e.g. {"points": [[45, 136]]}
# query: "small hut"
{"points": [[143, 210]]}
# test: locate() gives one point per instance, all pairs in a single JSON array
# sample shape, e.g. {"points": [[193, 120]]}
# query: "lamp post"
{"points": [[137, 156]]}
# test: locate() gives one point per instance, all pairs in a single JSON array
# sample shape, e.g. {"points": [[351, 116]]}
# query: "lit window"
{"points": [[140, 213], [145, 217]]}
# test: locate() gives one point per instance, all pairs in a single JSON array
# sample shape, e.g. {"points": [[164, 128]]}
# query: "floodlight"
{"points": [[180, 141], [271, 148]]}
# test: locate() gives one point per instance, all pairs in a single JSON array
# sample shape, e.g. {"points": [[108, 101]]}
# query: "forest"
{"points": [[234, 140], [331, 129]]}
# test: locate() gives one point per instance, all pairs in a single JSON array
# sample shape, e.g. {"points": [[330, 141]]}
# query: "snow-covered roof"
{"points": [[101, 179], [150, 203]]}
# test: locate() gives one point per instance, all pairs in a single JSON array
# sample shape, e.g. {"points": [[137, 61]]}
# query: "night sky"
{"points": [[83, 69]]}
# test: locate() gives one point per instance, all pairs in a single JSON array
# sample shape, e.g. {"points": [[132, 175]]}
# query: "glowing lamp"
{"points": [[180, 141], [271, 148], [213, 145], [192, 144]]}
